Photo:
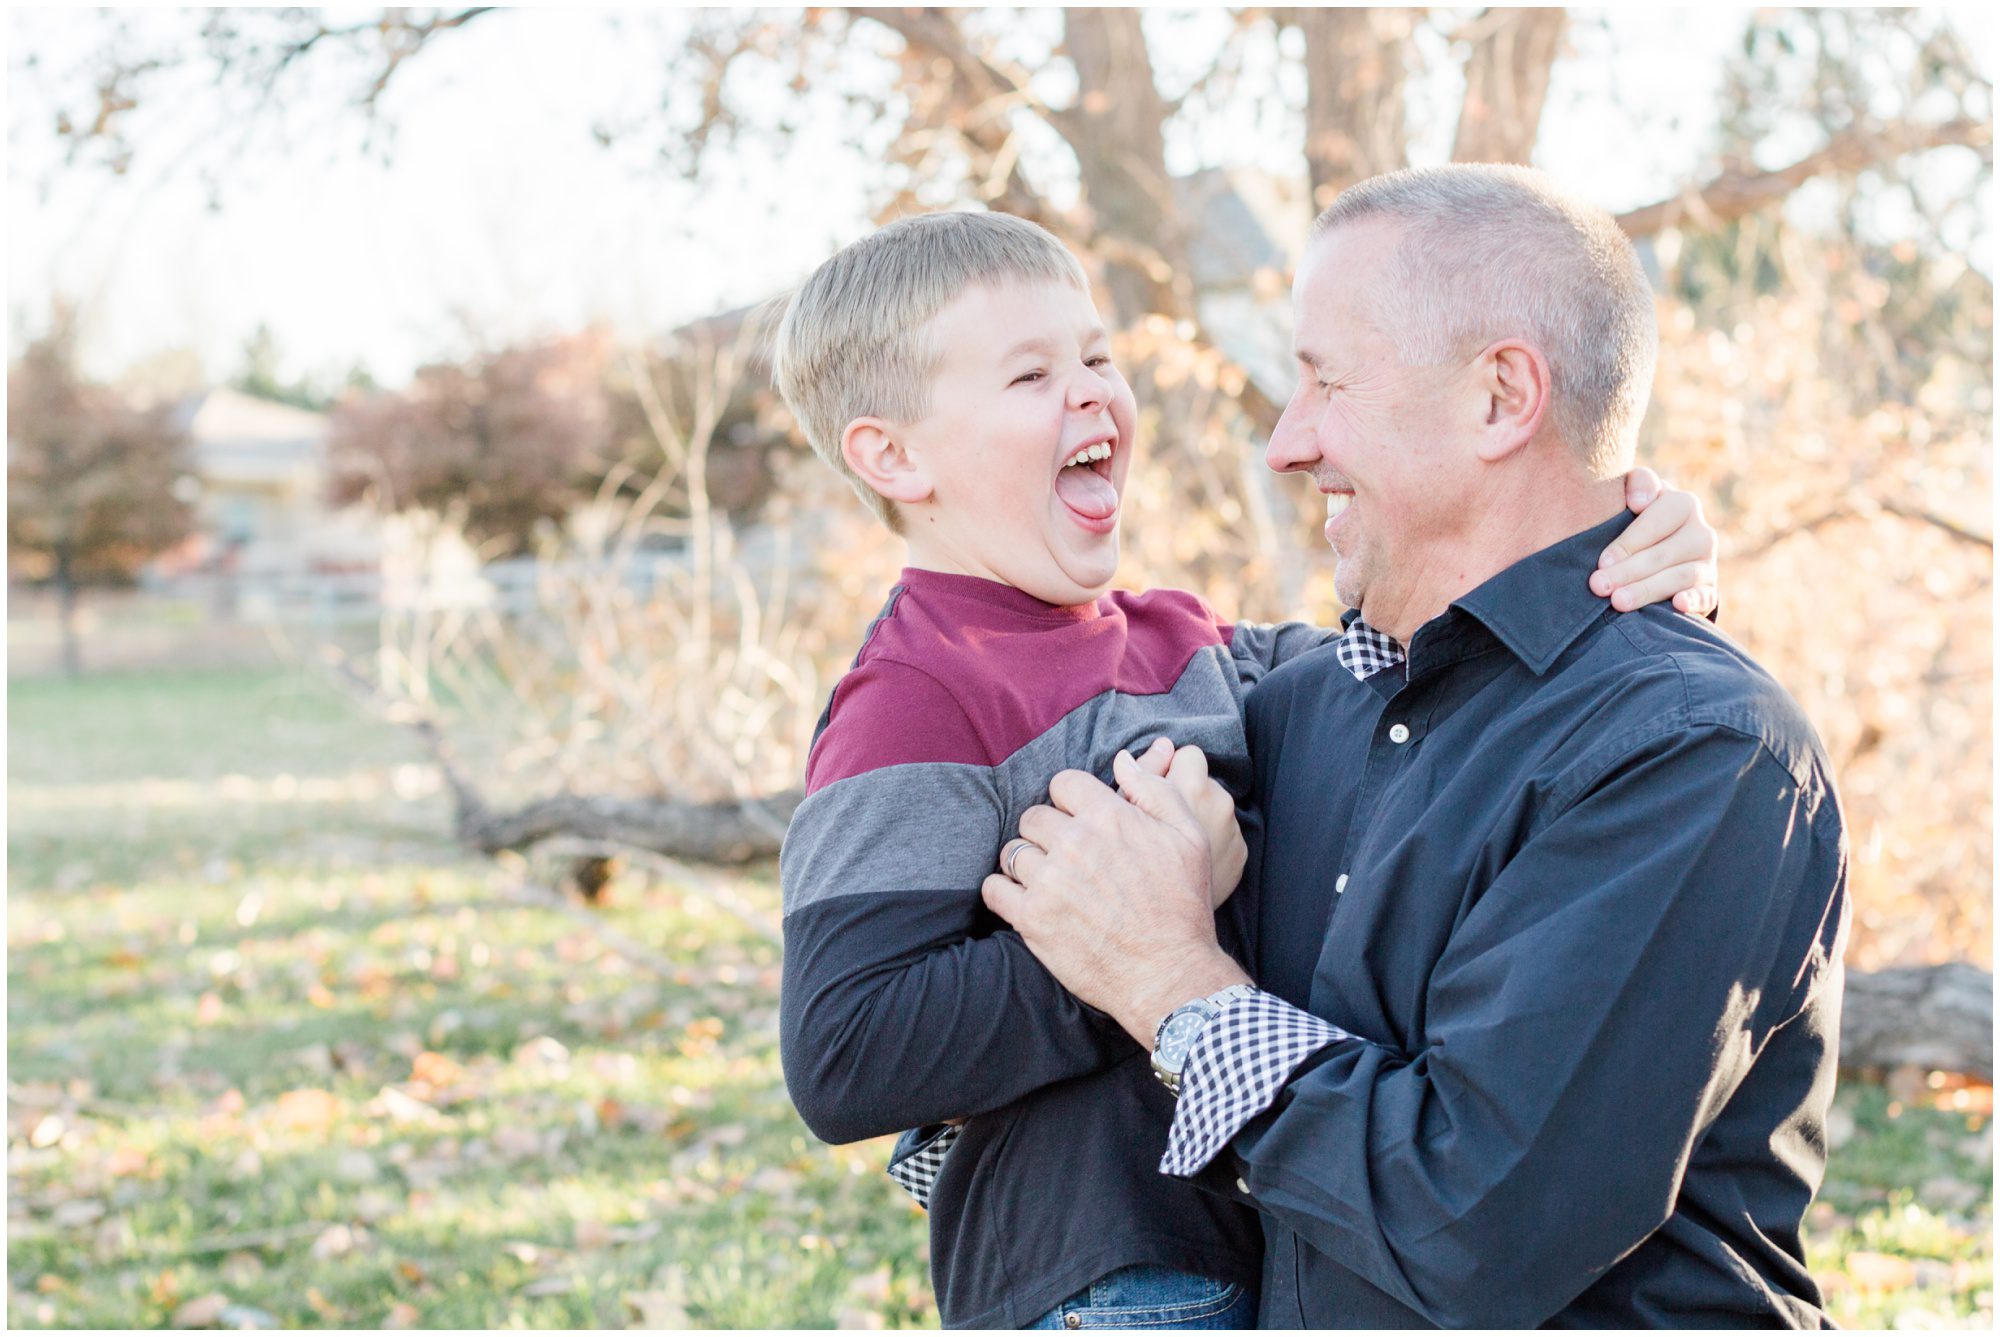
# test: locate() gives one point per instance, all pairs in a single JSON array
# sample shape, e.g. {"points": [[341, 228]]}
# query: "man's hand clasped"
{"points": [[1115, 890]]}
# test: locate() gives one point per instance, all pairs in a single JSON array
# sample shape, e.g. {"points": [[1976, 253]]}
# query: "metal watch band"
{"points": [[1209, 1006]]}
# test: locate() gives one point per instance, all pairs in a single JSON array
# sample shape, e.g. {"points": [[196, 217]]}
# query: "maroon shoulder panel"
{"points": [[966, 670]]}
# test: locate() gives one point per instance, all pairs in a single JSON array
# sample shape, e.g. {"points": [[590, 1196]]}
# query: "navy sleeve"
{"points": [[905, 1001], [1586, 1021]]}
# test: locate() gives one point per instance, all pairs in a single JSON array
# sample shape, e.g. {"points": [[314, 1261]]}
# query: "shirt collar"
{"points": [[1539, 606]]}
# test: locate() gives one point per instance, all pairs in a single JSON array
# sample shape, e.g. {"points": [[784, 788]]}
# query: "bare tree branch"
{"points": [[1865, 508], [1737, 193]]}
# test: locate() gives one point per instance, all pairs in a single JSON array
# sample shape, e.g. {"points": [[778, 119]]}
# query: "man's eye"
{"points": [[1101, 360], [1028, 376]]}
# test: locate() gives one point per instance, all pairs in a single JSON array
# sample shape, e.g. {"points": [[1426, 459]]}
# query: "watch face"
{"points": [[1179, 1034]]}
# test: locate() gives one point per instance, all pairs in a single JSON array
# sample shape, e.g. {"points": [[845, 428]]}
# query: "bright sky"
{"points": [[501, 218]]}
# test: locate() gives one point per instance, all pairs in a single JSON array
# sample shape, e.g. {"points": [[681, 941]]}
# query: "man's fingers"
{"points": [[1039, 825], [1159, 798], [1656, 589], [1073, 791], [1011, 854], [1003, 897], [1190, 768], [1154, 760]]}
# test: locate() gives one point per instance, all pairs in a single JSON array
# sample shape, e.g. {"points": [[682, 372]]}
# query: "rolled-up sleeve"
{"points": [[1590, 1015]]}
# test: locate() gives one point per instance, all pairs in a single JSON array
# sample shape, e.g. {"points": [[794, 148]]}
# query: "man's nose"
{"points": [[1294, 441]]}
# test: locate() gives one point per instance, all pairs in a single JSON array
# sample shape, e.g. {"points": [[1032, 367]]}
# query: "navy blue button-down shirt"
{"points": [[1575, 889]]}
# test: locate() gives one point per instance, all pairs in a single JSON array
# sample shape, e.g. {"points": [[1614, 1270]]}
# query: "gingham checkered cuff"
{"points": [[919, 1158], [1240, 1061]]}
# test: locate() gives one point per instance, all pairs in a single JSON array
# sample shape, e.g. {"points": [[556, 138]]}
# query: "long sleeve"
{"points": [[901, 1004], [1259, 647], [1585, 1024]]}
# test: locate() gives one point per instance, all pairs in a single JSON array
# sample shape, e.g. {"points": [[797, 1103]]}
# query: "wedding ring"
{"points": [[1014, 858]]}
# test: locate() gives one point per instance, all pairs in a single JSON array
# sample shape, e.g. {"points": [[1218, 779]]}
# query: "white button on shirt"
{"points": [[1399, 733], [1340, 884]]}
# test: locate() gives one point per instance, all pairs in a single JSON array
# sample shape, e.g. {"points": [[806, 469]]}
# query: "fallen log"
{"points": [[1935, 1018], [717, 833]]}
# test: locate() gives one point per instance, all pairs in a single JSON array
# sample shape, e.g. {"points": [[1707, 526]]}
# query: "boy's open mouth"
{"points": [[1084, 483]]}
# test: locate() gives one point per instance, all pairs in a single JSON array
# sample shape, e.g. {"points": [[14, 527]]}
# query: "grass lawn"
{"points": [[279, 1055]]}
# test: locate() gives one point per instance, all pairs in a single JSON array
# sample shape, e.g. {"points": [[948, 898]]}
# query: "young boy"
{"points": [[953, 368]]}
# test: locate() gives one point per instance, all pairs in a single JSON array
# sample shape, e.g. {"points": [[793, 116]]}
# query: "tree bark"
{"points": [[1936, 1018], [1355, 78], [1506, 83], [66, 599], [716, 833], [1115, 129]]}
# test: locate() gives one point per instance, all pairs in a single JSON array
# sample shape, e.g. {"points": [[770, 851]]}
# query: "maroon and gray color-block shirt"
{"points": [[906, 1002]]}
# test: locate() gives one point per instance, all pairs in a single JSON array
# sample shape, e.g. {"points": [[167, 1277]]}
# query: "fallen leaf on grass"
{"points": [[434, 1069], [403, 1107], [128, 1160], [658, 1310], [592, 1234], [209, 1010], [201, 1312], [401, 1316], [337, 1241], [308, 1109]]}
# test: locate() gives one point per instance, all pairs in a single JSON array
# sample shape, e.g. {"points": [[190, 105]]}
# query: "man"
{"points": [[1544, 993]]}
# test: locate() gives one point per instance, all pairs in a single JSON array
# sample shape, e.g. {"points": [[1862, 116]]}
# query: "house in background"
{"points": [[263, 527]]}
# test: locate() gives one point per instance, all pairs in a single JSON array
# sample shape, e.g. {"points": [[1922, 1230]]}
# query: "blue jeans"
{"points": [[1155, 1297]]}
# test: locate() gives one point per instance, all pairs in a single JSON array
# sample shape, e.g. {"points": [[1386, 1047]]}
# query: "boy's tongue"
{"points": [[1087, 492]]}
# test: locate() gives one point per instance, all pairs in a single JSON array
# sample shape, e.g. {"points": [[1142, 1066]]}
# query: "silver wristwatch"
{"points": [[1181, 1027]]}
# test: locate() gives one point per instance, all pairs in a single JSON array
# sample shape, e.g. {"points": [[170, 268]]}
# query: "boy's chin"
{"points": [[1078, 582]]}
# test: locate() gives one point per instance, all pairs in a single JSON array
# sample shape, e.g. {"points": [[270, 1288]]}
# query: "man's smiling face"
{"points": [[1024, 385], [1382, 439]]}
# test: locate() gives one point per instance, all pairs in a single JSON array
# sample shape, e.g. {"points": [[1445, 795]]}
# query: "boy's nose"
{"points": [[1089, 392]]}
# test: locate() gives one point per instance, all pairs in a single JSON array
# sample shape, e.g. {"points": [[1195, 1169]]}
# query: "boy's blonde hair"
{"points": [[853, 341]]}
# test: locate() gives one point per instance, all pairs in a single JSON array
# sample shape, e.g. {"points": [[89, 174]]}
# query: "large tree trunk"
{"points": [[1355, 76], [1116, 131], [1936, 1018], [1506, 83], [66, 598]]}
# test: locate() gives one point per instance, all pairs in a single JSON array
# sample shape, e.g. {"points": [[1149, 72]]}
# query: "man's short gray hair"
{"points": [[1492, 251], [853, 341]]}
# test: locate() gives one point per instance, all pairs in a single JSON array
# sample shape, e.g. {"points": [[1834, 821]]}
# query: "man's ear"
{"points": [[874, 449], [1514, 383]]}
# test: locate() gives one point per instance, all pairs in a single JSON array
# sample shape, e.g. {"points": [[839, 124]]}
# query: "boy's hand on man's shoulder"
{"points": [[1669, 551]]}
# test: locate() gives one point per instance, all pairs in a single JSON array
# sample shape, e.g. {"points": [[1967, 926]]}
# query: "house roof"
{"points": [[242, 438]]}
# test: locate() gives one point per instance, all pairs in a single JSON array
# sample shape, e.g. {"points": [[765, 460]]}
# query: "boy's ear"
{"points": [[874, 449]]}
